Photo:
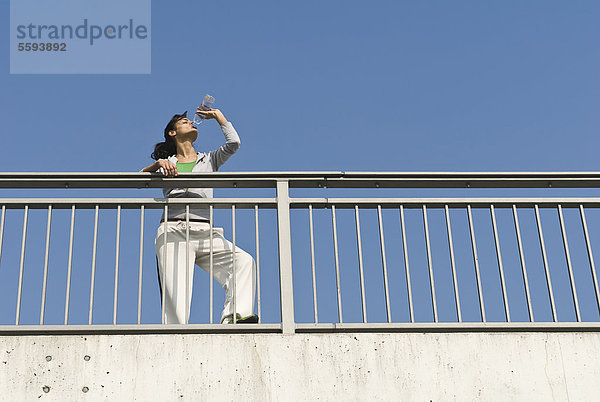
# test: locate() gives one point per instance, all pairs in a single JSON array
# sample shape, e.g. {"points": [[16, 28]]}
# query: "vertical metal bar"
{"points": [[116, 291], [522, 256], [545, 259], [500, 268], [360, 264], [257, 263], [21, 264], [139, 315], [451, 248], [288, 325], [405, 250], [337, 264], [187, 263], [93, 266], [164, 265], [476, 262], [70, 265], [569, 266], [590, 256], [234, 266], [430, 264], [210, 264], [312, 261], [2, 230], [46, 254], [384, 264]]}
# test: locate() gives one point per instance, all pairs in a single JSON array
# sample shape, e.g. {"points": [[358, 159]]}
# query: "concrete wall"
{"points": [[400, 366]]}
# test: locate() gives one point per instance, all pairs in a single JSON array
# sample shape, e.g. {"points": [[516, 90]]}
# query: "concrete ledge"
{"points": [[326, 366]]}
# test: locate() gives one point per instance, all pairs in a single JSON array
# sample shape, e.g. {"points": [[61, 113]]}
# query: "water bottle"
{"points": [[207, 103]]}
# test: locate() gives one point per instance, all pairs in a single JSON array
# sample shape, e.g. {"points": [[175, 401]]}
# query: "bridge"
{"points": [[370, 285]]}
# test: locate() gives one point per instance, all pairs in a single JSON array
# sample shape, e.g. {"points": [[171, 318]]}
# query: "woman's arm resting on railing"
{"points": [[168, 168]]}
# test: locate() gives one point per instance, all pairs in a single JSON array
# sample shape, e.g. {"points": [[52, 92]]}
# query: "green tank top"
{"points": [[185, 167]]}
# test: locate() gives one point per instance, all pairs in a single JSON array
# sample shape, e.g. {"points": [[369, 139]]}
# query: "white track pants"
{"points": [[178, 269]]}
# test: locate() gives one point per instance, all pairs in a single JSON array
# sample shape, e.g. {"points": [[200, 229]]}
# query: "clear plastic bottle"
{"points": [[208, 102]]}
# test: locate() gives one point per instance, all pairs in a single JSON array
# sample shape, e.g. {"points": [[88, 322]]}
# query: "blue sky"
{"points": [[337, 85], [389, 85]]}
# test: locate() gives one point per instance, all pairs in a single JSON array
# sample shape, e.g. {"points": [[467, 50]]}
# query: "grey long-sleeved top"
{"points": [[205, 162]]}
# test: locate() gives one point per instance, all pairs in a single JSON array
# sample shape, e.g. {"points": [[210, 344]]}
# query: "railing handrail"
{"points": [[135, 203], [295, 203], [332, 179], [284, 201]]}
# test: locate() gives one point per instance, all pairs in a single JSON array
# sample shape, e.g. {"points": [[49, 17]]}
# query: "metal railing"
{"points": [[378, 263]]}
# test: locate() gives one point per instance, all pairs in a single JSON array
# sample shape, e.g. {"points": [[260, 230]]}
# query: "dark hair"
{"points": [[163, 150]]}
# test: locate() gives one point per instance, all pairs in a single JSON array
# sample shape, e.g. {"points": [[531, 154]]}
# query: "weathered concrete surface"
{"points": [[419, 367]]}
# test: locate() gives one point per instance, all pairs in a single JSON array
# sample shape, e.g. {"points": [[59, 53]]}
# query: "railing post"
{"points": [[288, 325]]}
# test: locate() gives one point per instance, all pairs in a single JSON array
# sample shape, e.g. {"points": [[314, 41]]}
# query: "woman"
{"points": [[177, 154]]}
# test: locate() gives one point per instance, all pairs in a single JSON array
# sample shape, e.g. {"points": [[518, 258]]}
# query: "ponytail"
{"points": [[163, 150]]}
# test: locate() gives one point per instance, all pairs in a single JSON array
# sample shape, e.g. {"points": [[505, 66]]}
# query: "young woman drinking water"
{"points": [[175, 267]]}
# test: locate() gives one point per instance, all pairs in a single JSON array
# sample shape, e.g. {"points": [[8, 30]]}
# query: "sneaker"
{"points": [[251, 319]]}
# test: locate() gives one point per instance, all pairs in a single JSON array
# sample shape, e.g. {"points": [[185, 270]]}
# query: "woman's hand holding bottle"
{"points": [[209, 113]]}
